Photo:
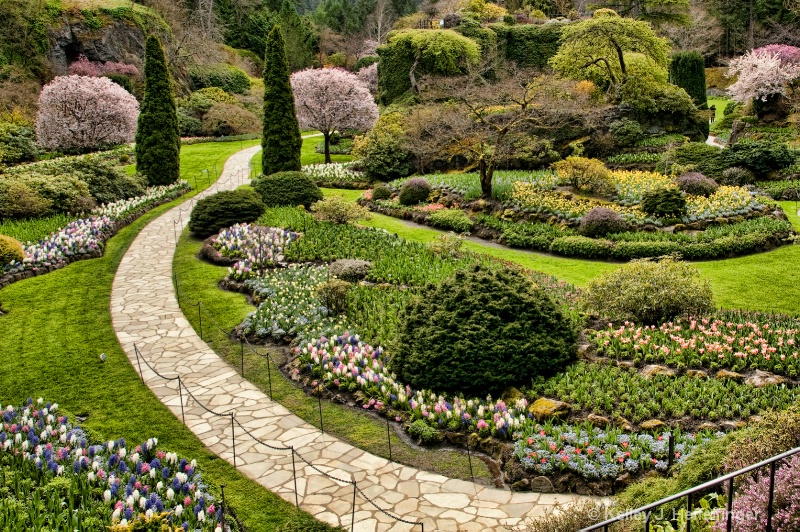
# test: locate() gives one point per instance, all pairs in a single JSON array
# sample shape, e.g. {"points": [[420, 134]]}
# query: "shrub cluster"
{"points": [[338, 210], [10, 250], [454, 219], [224, 209], [381, 153], [381, 192], [227, 77], [696, 184], [414, 191], [664, 203], [601, 221], [649, 292], [736, 176], [17, 143], [584, 174], [287, 188], [759, 156], [480, 331]]}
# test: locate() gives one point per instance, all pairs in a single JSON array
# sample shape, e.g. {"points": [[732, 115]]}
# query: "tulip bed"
{"points": [[85, 236], [54, 478], [733, 340]]}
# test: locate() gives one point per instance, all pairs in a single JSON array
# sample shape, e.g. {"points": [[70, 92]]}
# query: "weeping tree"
{"points": [[158, 140], [281, 141]]}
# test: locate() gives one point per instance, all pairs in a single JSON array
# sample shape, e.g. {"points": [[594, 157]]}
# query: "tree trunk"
{"points": [[327, 147], [486, 178]]}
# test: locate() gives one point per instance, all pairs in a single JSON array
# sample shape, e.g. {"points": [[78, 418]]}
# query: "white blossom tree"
{"points": [[331, 99], [762, 73], [369, 77], [85, 113]]}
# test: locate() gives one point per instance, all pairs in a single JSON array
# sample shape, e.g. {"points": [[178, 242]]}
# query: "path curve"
{"points": [[145, 312]]}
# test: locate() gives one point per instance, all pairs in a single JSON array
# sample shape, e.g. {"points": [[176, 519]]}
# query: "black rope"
{"points": [[146, 363], [414, 523], [257, 440], [196, 400], [321, 472]]}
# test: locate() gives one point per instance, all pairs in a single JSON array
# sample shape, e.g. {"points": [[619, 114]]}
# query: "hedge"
{"points": [[529, 45]]}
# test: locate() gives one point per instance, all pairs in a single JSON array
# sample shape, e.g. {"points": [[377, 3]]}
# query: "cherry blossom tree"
{"points": [[369, 77], [85, 113], [762, 73], [332, 99], [84, 67]]}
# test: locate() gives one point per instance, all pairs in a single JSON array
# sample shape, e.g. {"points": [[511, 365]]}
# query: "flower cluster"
{"points": [[631, 185], [596, 453], [335, 173], [87, 235], [256, 246], [554, 204], [733, 340], [123, 484], [469, 185], [725, 202]]}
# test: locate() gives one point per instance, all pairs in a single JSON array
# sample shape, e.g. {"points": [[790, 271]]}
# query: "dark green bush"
{"points": [[224, 209], [381, 153], [687, 70], [454, 219], [227, 77], [122, 80], [414, 191], [365, 61], [736, 176], [581, 246], [17, 143], [649, 292], [481, 331], [626, 132], [601, 221], [664, 203], [423, 432], [43, 193], [528, 45], [704, 158], [696, 184], [381, 192], [287, 188], [758, 156]]}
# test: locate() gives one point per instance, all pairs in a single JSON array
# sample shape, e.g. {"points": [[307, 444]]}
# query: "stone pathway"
{"points": [[145, 312]]}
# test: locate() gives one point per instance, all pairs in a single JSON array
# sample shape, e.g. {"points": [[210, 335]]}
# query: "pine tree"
{"points": [[158, 140], [281, 141], [687, 70]]}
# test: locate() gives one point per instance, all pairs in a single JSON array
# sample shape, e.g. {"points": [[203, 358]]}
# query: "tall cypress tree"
{"points": [[687, 70], [158, 140], [281, 141]]}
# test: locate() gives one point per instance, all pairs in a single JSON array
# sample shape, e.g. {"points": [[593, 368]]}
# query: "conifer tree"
{"points": [[687, 70], [281, 141], [158, 140]]}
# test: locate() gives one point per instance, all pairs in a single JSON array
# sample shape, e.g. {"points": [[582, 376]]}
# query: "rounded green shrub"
{"points": [[481, 331], [414, 191], [601, 221], [454, 219], [381, 192], [759, 156], [227, 77], [649, 292], [696, 184], [702, 157], [224, 209], [423, 432], [736, 176], [287, 188], [10, 250], [626, 132], [664, 203]]}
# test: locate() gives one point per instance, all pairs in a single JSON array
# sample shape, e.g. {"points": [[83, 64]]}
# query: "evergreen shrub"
{"points": [[664, 203], [224, 209], [287, 188], [414, 191], [10, 250]]}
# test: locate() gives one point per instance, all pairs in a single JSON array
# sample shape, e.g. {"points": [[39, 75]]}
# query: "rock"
{"points": [[696, 373], [708, 426], [544, 408], [598, 421], [654, 369], [521, 485], [678, 228], [455, 438], [779, 215], [725, 374], [541, 485], [583, 349], [759, 379], [729, 426], [511, 395], [351, 270], [651, 424], [623, 423]]}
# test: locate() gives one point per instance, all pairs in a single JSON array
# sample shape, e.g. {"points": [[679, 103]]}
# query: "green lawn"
{"points": [[720, 104], [764, 281], [308, 154], [198, 280], [50, 342]]}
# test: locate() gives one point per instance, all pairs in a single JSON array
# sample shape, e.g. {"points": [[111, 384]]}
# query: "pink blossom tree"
{"points": [[761, 74], [787, 54], [369, 77], [331, 99], [84, 67], [85, 113]]}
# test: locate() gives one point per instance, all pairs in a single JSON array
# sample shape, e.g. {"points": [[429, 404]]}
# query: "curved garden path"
{"points": [[145, 312]]}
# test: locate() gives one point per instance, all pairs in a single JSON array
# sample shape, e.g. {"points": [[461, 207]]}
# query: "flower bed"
{"points": [[336, 175], [103, 485], [256, 247], [84, 238], [630, 186], [738, 341]]}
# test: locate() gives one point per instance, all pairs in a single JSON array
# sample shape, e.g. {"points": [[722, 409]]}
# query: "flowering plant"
{"points": [[113, 482], [335, 173], [256, 246]]}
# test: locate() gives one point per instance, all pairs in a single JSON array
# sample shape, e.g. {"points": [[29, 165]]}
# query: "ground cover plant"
{"points": [[43, 355], [54, 474]]}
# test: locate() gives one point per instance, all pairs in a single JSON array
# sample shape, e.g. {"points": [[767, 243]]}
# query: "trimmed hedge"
{"points": [[225, 209], [227, 77], [287, 188], [529, 45], [454, 219], [481, 331], [687, 70]]}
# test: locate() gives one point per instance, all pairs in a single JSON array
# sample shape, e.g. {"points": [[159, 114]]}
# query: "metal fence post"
{"points": [[200, 316], [389, 438], [139, 362], [729, 524], [294, 475], [222, 489], [180, 394], [671, 451], [241, 341], [353, 518], [469, 458], [771, 495], [233, 442]]}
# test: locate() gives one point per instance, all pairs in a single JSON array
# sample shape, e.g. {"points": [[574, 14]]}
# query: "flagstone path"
{"points": [[145, 312]]}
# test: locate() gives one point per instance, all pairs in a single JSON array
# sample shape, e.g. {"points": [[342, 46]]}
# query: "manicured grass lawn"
{"points": [[764, 281], [720, 104], [50, 342], [308, 154], [198, 281]]}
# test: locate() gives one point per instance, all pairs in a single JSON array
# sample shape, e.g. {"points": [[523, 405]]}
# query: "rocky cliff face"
{"points": [[116, 40]]}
